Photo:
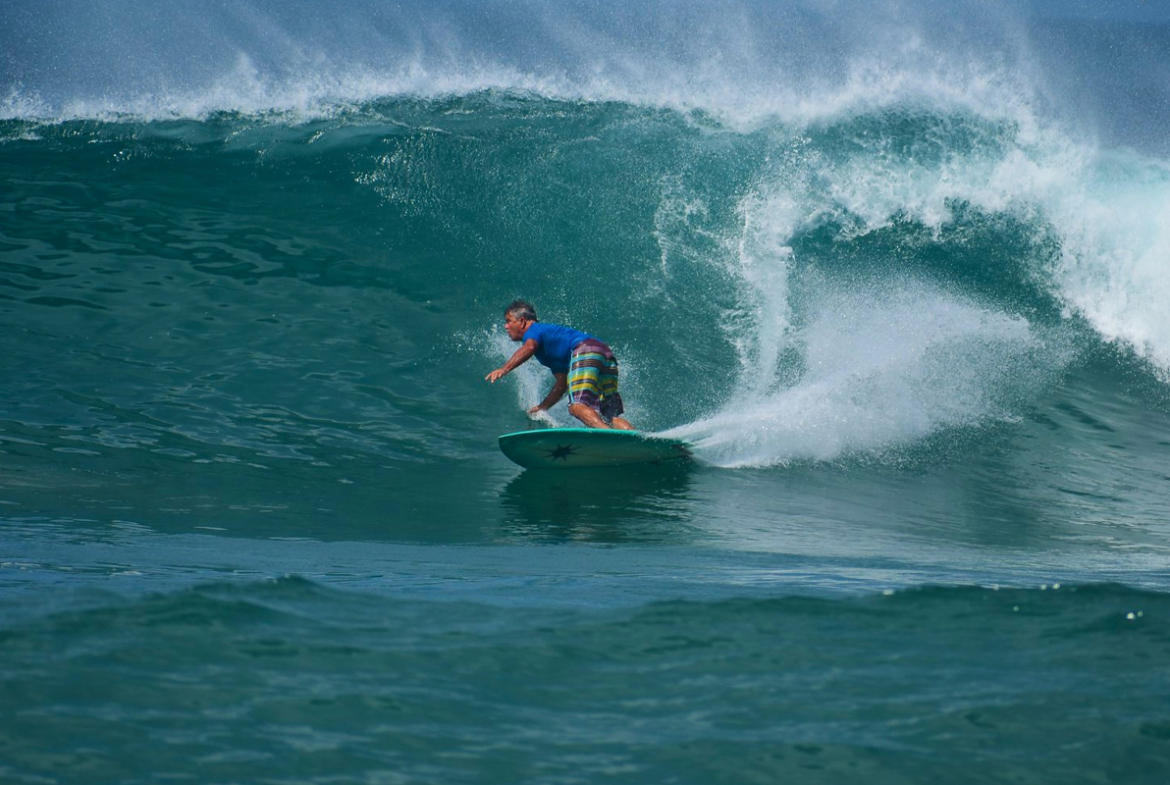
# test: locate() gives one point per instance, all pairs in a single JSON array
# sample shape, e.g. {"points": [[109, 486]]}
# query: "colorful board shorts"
{"points": [[593, 378]]}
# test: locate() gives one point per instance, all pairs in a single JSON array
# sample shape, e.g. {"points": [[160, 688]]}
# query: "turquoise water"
{"points": [[906, 302]]}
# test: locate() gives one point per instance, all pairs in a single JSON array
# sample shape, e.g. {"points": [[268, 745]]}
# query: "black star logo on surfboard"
{"points": [[562, 452]]}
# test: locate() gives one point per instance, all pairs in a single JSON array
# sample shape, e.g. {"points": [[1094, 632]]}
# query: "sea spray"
{"points": [[883, 366]]}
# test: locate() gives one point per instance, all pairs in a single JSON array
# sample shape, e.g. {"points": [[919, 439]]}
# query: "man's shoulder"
{"points": [[538, 329]]}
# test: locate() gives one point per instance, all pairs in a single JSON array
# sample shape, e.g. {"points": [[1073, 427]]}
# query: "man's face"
{"points": [[515, 327]]}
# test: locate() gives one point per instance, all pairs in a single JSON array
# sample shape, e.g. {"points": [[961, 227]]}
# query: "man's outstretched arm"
{"points": [[520, 356]]}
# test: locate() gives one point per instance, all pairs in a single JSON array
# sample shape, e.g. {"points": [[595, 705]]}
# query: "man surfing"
{"points": [[579, 363]]}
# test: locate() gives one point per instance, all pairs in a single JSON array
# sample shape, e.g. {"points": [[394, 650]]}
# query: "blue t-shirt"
{"points": [[554, 344]]}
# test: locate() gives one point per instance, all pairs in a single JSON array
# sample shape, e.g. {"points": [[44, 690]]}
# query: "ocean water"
{"points": [[899, 273]]}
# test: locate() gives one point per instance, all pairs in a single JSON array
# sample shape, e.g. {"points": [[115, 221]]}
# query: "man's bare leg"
{"points": [[588, 416], [592, 419]]}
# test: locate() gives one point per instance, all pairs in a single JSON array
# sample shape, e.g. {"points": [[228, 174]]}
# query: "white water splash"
{"points": [[884, 367]]}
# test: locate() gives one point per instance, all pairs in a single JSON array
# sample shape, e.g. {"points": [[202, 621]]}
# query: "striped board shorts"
{"points": [[593, 378]]}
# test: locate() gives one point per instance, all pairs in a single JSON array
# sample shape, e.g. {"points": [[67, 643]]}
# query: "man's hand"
{"points": [[494, 375], [535, 410]]}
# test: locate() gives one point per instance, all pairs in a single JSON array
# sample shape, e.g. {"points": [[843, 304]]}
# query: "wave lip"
{"points": [[745, 63]]}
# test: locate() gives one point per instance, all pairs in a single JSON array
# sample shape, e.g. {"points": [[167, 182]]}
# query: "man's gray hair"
{"points": [[521, 309]]}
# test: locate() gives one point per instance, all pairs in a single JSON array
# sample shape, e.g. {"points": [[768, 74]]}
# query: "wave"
{"points": [[1022, 235], [297, 603], [860, 282], [745, 62], [252, 680]]}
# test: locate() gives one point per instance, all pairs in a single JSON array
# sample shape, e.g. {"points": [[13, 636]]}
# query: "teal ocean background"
{"points": [[899, 273]]}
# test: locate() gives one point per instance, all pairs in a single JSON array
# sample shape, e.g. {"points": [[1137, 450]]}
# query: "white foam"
{"points": [[18, 104], [885, 365], [1114, 222]]}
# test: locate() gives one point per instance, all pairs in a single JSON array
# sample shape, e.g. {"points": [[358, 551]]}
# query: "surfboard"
{"points": [[570, 448]]}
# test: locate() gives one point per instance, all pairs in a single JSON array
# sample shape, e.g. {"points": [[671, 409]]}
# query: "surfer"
{"points": [[580, 364]]}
